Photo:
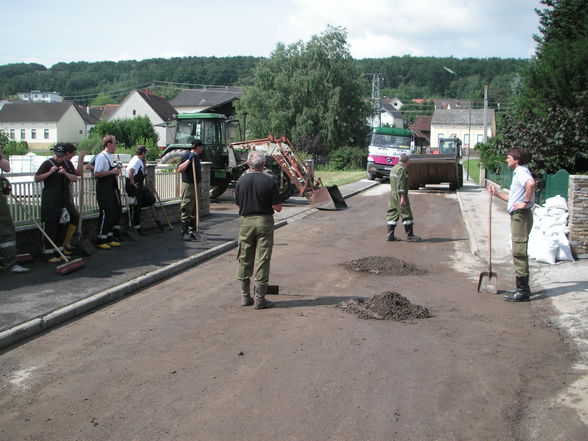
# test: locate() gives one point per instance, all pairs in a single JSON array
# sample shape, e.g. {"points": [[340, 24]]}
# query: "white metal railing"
{"points": [[29, 192]]}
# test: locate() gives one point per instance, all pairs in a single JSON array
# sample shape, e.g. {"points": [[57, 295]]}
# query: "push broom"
{"points": [[69, 265]]}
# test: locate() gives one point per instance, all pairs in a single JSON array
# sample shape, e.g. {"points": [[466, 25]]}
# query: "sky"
{"points": [[49, 32]]}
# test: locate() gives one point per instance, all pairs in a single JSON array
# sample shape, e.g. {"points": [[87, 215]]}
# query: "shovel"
{"points": [[169, 225], [490, 276], [199, 236]]}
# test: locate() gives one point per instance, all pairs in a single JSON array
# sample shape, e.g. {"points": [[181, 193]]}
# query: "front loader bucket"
{"points": [[328, 198]]}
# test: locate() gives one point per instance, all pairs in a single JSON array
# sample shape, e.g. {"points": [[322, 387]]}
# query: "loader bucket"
{"points": [[328, 198]]}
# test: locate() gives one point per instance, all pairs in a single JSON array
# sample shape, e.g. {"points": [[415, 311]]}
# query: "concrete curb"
{"points": [[39, 324], [474, 249]]}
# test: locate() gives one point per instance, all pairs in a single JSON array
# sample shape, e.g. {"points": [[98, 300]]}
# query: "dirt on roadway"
{"points": [[183, 361]]}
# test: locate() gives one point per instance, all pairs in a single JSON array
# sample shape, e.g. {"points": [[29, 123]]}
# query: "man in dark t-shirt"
{"points": [[188, 195], [257, 196]]}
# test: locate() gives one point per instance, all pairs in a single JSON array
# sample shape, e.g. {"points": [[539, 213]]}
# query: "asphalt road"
{"points": [[182, 360]]}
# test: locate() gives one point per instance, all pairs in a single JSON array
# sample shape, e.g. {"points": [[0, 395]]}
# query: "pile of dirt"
{"points": [[387, 306], [388, 266]]}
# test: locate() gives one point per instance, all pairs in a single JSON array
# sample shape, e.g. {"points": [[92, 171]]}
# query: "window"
{"points": [[46, 133], [11, 133], [33, 133], [479, 139], [134, 112], [466, 139], [22, 134]]}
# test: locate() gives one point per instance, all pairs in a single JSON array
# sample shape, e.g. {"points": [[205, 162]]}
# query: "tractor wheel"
{"points": [[217, 190]]}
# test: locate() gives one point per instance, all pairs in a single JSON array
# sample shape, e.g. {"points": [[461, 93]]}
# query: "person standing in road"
{"points": [[399, 204], [56, 196], [7, 231], [520, 199], [74, 214], [106, 172], [139, 196], [258, 198], [188, 202]]}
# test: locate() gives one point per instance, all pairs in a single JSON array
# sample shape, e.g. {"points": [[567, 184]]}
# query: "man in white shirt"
{"points": [[106, 172], [139, 196], [520, 200]]}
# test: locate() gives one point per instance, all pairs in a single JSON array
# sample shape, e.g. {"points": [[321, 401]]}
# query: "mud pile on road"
{"points": [[386, 306], [387, 266]]}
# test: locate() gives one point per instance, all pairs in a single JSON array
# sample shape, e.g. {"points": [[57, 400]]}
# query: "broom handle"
{"points": [[197, 197], [490, 235], [39, 227], [81, 202]]}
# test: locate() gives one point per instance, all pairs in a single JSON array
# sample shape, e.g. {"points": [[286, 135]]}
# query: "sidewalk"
{"points": [[37, 301]]}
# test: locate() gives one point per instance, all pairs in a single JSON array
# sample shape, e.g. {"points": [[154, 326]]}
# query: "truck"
{"points": [[386, 145], [444, 166], [229, 160]]}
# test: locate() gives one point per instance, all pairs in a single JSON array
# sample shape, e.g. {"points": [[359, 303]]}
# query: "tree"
{"points": [[128, 132], [312, 92], [550, 118]]}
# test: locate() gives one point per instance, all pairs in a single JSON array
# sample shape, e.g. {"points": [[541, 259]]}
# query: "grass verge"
{"points": [[474, 169], [339, 177]]}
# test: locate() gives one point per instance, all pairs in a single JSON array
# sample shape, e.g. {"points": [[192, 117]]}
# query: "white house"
{"points": [[389, 116], [36, 96], [157, 109], [464, 124], [42, 125]]}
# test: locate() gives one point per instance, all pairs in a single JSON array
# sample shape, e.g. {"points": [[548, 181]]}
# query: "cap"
{"points": [[69, 147], [59, 150], [197, 143]]}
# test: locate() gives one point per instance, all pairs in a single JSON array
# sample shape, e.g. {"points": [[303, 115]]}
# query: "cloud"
{"points": [[377, 28]]}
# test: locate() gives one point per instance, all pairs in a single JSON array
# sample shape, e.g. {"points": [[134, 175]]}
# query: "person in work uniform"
{"points": [[7, 231], [399, 204], [55, 197], [188, 195], [138, 194], [74, 214], [520, 200], [106, 172], [258, 198]]}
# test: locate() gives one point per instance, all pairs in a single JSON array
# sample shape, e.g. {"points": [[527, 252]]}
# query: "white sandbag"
{"points": [[564, 252], [544, 249], [556, 202]]}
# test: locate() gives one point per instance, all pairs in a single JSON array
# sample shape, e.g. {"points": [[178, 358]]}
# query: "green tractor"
{"points": [[212, 129]]}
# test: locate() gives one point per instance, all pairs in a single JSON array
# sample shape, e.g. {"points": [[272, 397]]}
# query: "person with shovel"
{"points": [[398, 204], [139, 196], [258, 198], [106, 172], [55, 197], [520, 199], [7, 231], [188, 195]]}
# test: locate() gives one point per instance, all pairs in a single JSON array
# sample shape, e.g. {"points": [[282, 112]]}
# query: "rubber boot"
{"points": [[390, 236], [410, 236], [246, 299], [521, 293], [186, 231], [260, 292], [71, 229]]}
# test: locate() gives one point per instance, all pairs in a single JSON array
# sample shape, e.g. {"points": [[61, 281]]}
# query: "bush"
{"points": [[16, 148], [91, 145], [347, 158]]}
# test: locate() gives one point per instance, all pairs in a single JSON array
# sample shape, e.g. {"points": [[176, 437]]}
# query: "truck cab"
{"points": [[386, 145]]}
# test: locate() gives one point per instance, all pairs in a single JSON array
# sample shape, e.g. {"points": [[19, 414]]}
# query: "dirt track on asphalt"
{"points": [[183, 361]]}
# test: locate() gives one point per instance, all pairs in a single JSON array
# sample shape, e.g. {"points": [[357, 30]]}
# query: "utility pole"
{"points": [[376, 101], [485, 114]]}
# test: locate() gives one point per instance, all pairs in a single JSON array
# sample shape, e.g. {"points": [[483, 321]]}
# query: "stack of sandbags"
{"points": [[548, 241]]}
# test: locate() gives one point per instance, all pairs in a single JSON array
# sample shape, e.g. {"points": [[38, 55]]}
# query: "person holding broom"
{"points": [[188, 195]]}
